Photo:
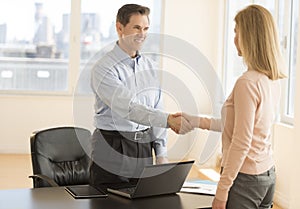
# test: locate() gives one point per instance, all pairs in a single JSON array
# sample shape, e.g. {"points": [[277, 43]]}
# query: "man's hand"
{"points": [[179, 124], [161, 160]]}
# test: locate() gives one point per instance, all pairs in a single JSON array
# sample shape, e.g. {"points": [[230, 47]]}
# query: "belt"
{"points": [[267, 173], [132, 135]]}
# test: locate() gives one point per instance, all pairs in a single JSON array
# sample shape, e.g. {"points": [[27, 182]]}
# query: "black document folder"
{"points": [[85, 191]]}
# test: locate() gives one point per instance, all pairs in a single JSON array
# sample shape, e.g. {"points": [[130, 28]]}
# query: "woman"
{"points": [[248, 175]]}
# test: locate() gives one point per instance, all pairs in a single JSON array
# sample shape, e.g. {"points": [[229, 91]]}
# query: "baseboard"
{"points": [[282, 200]]}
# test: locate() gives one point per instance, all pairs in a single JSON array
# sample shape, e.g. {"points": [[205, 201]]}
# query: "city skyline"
{"points": [[20, 20]]}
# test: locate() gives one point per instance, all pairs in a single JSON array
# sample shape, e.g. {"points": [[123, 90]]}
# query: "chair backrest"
{"points": [[59, 154]]}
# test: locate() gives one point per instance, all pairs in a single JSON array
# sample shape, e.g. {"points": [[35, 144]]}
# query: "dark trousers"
{"points": [[252, 191], [118, 158]]}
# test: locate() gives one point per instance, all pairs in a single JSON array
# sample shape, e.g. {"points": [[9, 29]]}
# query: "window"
{"points": [[98, 23], [234, 65], [35, 46], [286, 14], [290, 37]]}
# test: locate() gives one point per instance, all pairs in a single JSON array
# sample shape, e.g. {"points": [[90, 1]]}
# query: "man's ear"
{"points": [[119, 28]]}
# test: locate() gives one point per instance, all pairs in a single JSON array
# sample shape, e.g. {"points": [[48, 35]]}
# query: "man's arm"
{"points": [[121, 100], [159, 137]]}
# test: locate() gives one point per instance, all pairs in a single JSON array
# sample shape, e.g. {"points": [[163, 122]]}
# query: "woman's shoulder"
{"points": [[254, 80], [252, 76]]}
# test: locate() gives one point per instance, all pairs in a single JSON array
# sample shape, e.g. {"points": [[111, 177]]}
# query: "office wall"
{"points": [[20, 115], [283, 144], [197, 24], [293, 157]]}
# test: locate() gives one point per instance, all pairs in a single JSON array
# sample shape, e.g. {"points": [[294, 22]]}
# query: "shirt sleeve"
{"points": [[113, 92], [159, 134], [160, 141], [246, 100], [212, 124]]}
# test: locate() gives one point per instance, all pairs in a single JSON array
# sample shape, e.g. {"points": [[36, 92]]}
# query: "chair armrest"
{"points": [[50, 181]]}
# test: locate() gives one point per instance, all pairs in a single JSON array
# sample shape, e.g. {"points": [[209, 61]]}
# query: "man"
{"points": [[128, 118]]}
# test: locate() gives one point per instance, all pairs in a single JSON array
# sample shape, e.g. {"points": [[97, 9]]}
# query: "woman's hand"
{"points": [[179, 124], [218, 204], [193, 120]]}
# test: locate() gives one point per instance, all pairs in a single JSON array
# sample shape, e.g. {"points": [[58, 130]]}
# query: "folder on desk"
{"points": [[200, 187], [84, 191]]}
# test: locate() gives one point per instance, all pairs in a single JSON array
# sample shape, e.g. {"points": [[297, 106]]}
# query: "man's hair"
{"points": [[127, 10], [258, 41]]}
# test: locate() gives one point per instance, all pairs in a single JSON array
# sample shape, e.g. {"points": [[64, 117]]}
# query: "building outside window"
{"points": [[35, 40]]}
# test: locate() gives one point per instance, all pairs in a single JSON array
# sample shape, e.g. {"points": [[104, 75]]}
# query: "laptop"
{"points": [[157, 180]]}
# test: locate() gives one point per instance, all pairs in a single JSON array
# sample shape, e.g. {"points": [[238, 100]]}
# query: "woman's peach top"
{"points": [[246, 124]]}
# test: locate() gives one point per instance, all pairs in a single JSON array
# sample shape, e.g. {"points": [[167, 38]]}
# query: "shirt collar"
{"points": [[122, 55]]}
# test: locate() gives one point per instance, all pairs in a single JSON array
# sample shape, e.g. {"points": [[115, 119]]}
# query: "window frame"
{"points": [[288, 37], [72, 54]]}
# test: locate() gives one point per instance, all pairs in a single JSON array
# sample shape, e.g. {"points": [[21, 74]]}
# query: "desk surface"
{"points": [[58, 198]]}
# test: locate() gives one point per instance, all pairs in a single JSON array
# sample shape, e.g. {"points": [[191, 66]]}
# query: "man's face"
{"points": [[134, 33]]}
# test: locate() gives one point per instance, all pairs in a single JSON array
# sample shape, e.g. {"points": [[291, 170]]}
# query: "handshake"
{"points": [[182, 123]]}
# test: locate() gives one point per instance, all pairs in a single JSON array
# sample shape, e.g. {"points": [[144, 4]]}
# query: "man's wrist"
{"points": [[168, 121], [161, 160]]}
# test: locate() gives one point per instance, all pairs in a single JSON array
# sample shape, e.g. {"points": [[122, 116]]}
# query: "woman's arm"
{"points": [[212, 124]]}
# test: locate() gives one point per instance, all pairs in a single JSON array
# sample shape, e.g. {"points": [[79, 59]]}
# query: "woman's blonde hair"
{"points": [[258, 41]]}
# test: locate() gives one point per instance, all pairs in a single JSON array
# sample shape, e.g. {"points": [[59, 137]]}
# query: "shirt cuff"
{"points": [[216, 125], [160, 151], [221, 194], [160, 119]]}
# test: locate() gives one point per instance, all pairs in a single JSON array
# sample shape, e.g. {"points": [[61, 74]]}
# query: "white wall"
{"points": [[283, 143], [200, 24], [20, 115], [293, 157]]}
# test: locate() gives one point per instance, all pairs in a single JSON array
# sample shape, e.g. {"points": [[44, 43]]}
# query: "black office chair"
{"points": [[59, 156]]}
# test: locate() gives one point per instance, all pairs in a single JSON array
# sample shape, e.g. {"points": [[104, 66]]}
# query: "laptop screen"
{"points": [[161, 179]]}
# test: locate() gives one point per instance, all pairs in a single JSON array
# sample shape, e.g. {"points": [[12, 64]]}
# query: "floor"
{"points": [[16, 169]]}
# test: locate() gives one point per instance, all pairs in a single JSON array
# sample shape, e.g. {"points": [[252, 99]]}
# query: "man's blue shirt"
{"points": [[128, 96]]}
